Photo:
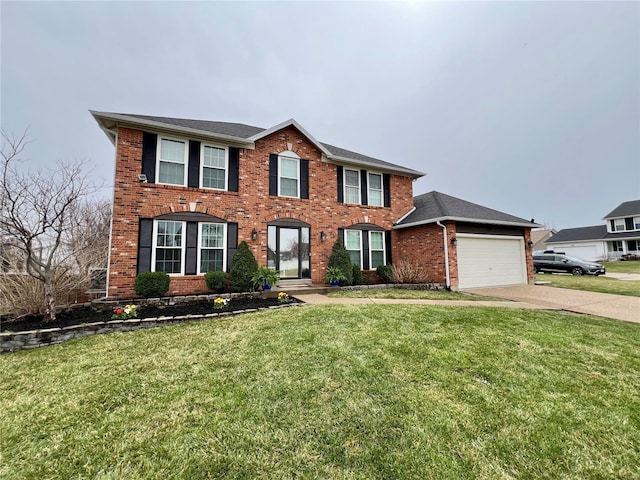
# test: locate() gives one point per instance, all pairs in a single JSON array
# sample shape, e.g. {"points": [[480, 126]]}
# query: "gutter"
{"points": [[446, 255], [437, 220]]}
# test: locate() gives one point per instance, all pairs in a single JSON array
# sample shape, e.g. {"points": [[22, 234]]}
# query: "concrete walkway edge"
{"points": [[617, 307]]}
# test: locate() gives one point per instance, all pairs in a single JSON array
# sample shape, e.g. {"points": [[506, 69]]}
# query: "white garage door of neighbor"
{"points": [[585, 252], [490, 260]]}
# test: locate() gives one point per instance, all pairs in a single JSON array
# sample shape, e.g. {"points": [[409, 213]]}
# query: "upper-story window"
{"points": [[619, 225], [172, 161], [363, 187], [636, 222], [288, 174], [351, 186], [375, 194], [168, 251], [214, 167]]}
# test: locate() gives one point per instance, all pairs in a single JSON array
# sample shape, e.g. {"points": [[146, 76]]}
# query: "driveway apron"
{"points": [[619, 307]]}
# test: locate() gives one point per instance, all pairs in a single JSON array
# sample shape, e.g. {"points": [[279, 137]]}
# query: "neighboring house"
{"points": [[617, 238], [186, 192], [540, 236]]}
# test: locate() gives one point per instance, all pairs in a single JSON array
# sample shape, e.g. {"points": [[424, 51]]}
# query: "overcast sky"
{"points": [[528, 108]]}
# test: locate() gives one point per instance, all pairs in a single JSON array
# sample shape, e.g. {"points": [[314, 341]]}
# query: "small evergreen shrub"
{"points": [[340, 259], [216, 280], [385, 272], [358, 277], [243, 266], [152, 284]]}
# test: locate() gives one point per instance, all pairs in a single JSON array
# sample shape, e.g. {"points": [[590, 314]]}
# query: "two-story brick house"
{"points": [[186, 192]]}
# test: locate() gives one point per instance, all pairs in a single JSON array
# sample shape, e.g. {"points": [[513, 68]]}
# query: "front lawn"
{"points": [[622, 267], [407, 294], [591, 283], [357, 392]]}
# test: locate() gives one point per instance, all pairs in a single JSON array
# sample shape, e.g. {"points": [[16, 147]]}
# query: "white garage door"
{"points": [[490, 260], [586, 252]]}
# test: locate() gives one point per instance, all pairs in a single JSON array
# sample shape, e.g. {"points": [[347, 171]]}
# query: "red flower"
{"points": [[118, 311]]}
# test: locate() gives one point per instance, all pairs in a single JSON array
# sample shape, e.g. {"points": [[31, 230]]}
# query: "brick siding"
{"points": [[251, 207]]}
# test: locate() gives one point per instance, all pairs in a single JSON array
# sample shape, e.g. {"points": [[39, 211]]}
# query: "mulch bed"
{"points": [[84, 314]]}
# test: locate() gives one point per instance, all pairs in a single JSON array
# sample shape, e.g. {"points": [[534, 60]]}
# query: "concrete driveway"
{"points": [[619, 307]]}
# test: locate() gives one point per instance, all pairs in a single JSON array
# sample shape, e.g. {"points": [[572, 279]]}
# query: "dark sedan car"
{"points": [[554, 263]]}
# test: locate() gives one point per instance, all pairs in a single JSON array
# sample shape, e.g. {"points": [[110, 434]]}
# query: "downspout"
{"points": [[446, 255], [113, 203]]}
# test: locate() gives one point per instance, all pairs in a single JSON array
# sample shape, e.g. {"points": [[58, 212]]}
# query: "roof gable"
{"points": [[435, 206], [625, 209]]}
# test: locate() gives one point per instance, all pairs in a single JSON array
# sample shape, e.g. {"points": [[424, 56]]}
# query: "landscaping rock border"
{"points": [[15, 341]]}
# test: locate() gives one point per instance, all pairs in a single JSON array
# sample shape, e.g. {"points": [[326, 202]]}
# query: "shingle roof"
{"points": [[239, 132], [625, 209], [343, 153], [434, 206], [594, 232]]}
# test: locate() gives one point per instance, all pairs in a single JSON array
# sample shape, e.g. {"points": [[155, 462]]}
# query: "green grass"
{"points": [[622, 267], [591, 283], [402, 293], [340, 392]]}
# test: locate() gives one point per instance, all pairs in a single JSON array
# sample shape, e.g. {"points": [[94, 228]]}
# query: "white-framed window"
{"points": [[619, 225], [352, 186], [172, 161], [289, 174], [636, 223], [375, 194], [168, 246], [353, 244], [214, 167], [212, 238], [377, 254], [616, 246]]}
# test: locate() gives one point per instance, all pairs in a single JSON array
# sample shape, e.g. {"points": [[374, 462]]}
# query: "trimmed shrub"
{"points": [[340, 258], [358, 277], [152, 284], [216, 280], [385, 272], [243, 266]]}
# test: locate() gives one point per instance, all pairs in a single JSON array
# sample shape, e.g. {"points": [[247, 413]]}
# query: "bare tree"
{"points": [[39, 216]]}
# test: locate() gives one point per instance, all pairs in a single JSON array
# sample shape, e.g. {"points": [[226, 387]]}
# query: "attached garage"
{"points": [[465, 245], [490, 260]]}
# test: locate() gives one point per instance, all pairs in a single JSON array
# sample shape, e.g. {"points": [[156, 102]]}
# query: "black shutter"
{"points": [[341, 235], [304, 178], [193, 177], [145, 242], [232, 242], [273, 174], [149, 146], [234, 169], [387, 247], [613, 225], [340, 171], [386, 184], [365, 250], [364, 191], [628, 223], [191, 263]]}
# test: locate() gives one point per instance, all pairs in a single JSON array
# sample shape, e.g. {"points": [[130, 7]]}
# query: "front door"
{"points": [[288, 251]]}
